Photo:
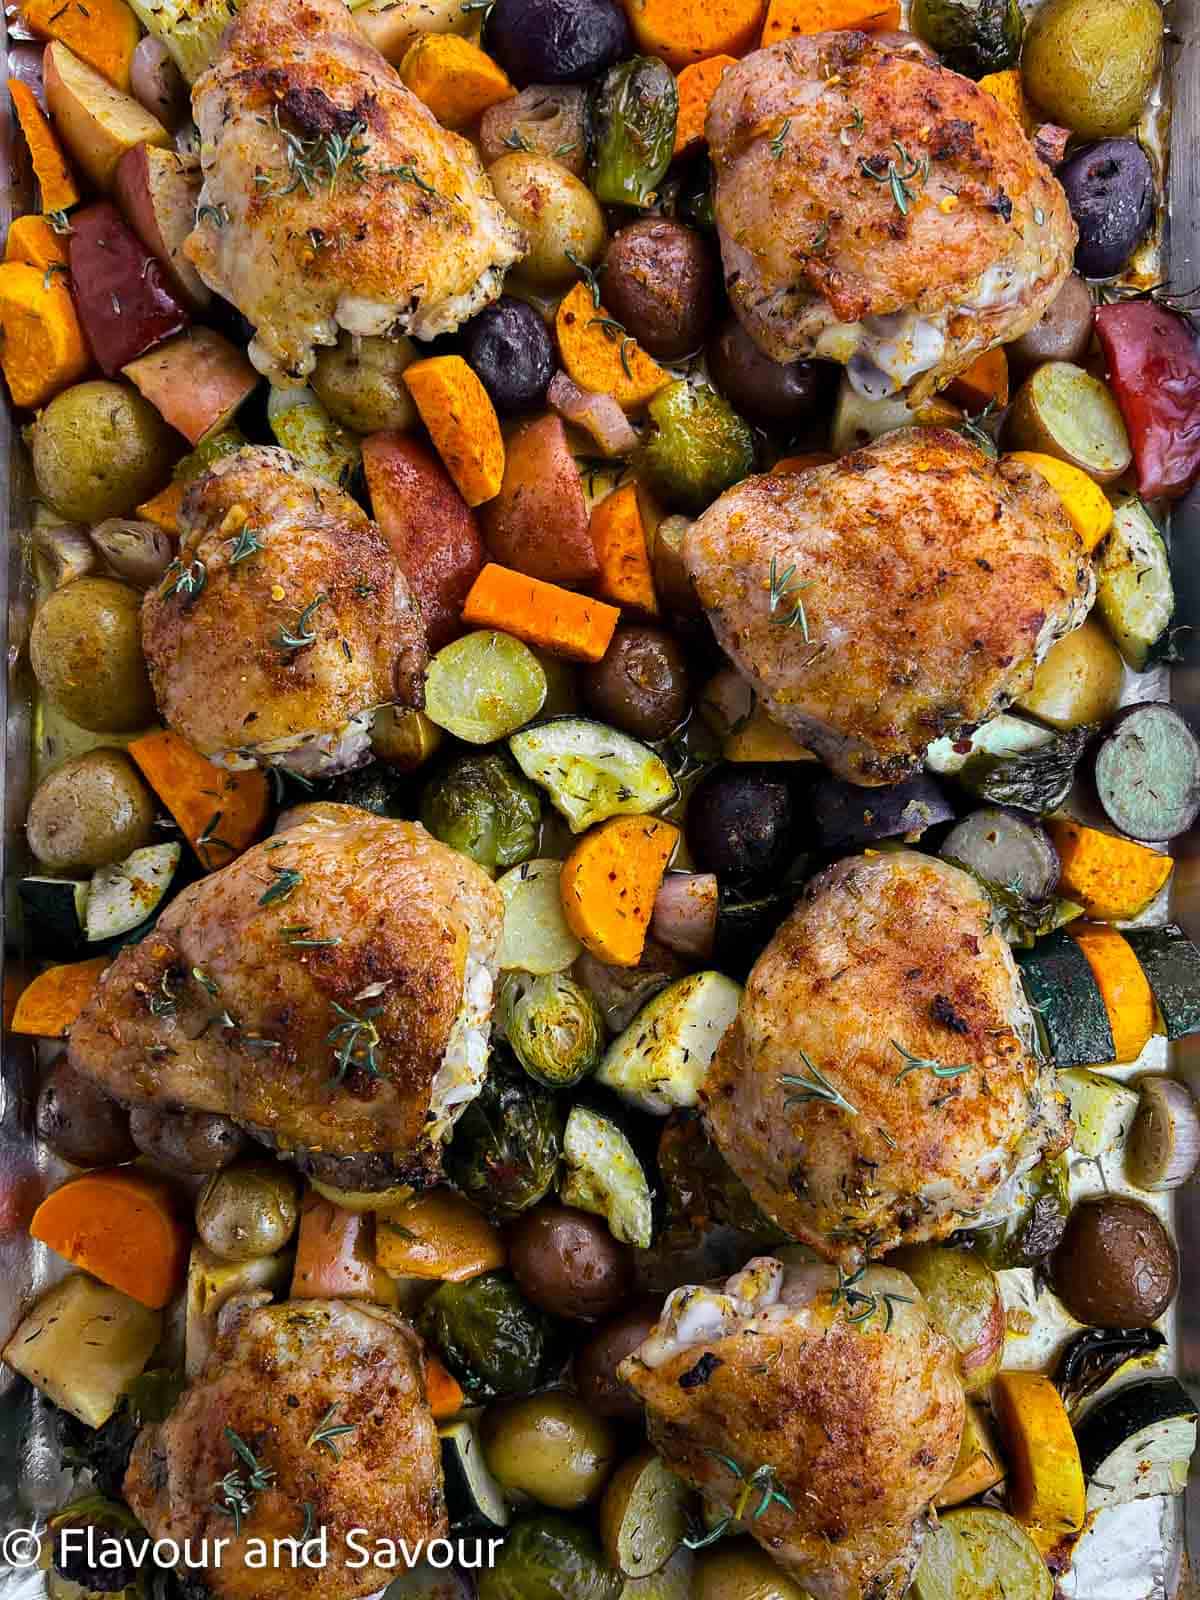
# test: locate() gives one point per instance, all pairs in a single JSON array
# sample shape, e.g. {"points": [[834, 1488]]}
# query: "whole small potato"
{"points": [[86, 652], [558, 214], [596, 1362], [186, 1141], [360, 383], [568, 1263], [1064, 331], [1116, 1265], [99, 449], [660, 280], [92, 810], [1090, 64], [80, 1122], [1078, 681], [248, 1211], [739, 1570], [548, 1447], [641, 683]]}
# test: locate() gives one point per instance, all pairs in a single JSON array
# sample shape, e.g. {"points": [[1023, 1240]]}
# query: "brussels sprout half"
{"points": [[485, 808], [506, 1146], [553, 1025]]}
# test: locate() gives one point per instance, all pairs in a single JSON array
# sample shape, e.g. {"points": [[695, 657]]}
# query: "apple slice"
{"points": [[197, 381], [430, 527], [96, 121], [158, 190]]}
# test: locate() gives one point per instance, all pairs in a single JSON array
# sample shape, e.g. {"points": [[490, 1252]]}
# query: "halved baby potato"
{"points": [[1063, 411]]}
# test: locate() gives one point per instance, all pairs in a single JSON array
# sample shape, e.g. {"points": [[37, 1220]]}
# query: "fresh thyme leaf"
{"points": [[310, 1518], [322, 159], [164, 1003], [54, 266], [298, 937], [355, 1039], [210, 837], [780, 139], [972, 428], [303, 636], [205, 982], [244, 546], [286, 879], [408, 174], [59, 222], [326, 1433], [218, 215], [516, 140], [926, 1064], [814, 1087]]}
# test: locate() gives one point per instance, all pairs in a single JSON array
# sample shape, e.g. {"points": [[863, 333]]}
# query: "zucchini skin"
{"points": [[1137, 1406], [1067, 998], [1171, 963]]}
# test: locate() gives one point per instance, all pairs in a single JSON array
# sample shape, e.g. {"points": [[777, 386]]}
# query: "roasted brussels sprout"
{"points": [[113, 1525], [373, 788], [1036, 1225], [972, 36], [553, 1025], [489, 1336], [633, 115], [696, 446], [550, 1558], [484, 807], [507, 1143]]}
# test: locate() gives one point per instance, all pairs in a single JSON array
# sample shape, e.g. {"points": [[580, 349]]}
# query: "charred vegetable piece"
{"points": [[52, 915], [556, 41], [1164, 1140], [553, 1025], [375, 789], [695, 447], [1115, 1265], [741, 824], [1110, 189], [592, 772], [506, 1146], [1035, 1226], [124, 299], [981, 1551], [1153, 361], [489, 1336], [1134, 593], [847, 816], [1138, 1442], [95, 1523], [972, 36], [1171, 963], [1148, 773], [1094, 1356], [485, 808], [1007, 851], [633, 116], [605, 1176], [550, 1557], [1067, 999]]}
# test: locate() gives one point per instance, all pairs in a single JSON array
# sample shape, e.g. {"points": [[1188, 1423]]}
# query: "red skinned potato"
{"points": [[1154, 369], [158, 190], [121, 292], [538, 523], [430, 527], [96, 121], [196, 381]]}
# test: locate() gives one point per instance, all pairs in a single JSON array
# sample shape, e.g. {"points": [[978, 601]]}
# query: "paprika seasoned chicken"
{"points": [[879, 210], [820, 1416], [332, 197], [309, 1415], [880, 1084], [901, 593], [284, 623], [330, 991]]}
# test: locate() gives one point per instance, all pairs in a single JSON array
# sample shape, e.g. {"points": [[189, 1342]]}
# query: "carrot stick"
{"points": [[59, 190], [52, 1002], [619, 539], [564, 623], [122, 1226], [221, 813], [462, 422], [43, 348]]}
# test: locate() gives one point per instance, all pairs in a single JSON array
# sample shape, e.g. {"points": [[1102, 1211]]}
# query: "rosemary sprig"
{"points": [[218, 215], [514, 139], [972, 428], [244, 546], [861, 1305], [762, 1481], [853, 127], [303, 636], [48, 275], [205, 982], [321, 159], [210, 836], [59, 222], [237, 1491], [189, 580], [326, 1433], [898, 177], [815, 1087], [926, 1064], [590, 276], [165, 1002], [355, 1039], [408, 174], [614, 331], [296, 936], [780, 139], [286, 879], [785, 588]]}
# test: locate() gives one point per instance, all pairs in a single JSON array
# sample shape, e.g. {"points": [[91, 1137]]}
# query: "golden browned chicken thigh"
{"points": [[821, 1414], [901, 593], [329, 990], [241, 1455], [880, 1085], [332, 198], [284, 623], [879, 210]]}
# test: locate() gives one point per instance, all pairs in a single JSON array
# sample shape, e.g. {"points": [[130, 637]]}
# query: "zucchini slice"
{"points": [[979, 1552], [473, 1497], [591, 771], [125, 894], [1171, 963], [1102, 1110], [1137, 1442], [55, 914], [1096, 1355], [604, 1176], [659, 1062], [1067, 998], [1133, 584]]}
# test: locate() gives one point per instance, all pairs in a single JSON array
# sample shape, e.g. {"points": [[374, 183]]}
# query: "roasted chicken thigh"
{"points": [[903, 592], [329, 991], [879, 210], [880, 1084], [820, 1415], [284, 623], [282, 1376], [332, 197]]}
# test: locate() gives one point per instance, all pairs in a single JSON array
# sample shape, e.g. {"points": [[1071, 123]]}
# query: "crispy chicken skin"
{"points": [[916, 585], [381, 221], [216, 630], [843, 1399], [880, 210], [823, 1095], [275, 1374], [362, 1042]]}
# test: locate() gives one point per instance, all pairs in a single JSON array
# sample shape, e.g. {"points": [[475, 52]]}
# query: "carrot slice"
{"points": [[696, 86], [32, 240], [609, 882], [1123, 987], [462, 422], [683, 31], [123, 1227], [787, 18], [221, 813], [599, 355], [43, 348], [442, 1390], [52, 1002], [560, 621], [619, 539], [59, 190], [103, 33]]}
